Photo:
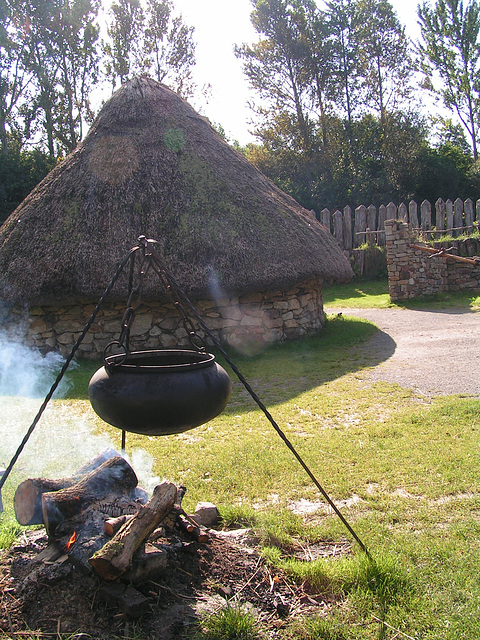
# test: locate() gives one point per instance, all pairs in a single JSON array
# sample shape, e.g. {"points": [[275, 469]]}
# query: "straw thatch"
{"points": [[151, 165]]}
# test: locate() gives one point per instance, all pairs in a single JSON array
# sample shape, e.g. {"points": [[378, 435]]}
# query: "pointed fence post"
{"points": [[426, 215], [360, 225], [468, 209], [382, 216], [458, 217], [449, 210], [325, 218], [402, 212], [347, 228], [372, 224], [391, 211], [413, 214], [440, 211], [338, 228]]}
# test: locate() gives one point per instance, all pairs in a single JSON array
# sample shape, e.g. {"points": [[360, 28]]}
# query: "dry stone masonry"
{"points": [[245, 322], [412, 272]]}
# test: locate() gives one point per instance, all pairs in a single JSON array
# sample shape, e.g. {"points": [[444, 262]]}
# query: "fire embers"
{"points": [[71, 541]]}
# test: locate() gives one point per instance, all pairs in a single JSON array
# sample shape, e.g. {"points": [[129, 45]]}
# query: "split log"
{"points": [[27, 501], [116, 555], [115, 476], [443, 253]]}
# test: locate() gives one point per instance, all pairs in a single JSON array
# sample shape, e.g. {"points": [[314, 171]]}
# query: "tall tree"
{"points": [[123, 50], [169, 47], [318, 55], [77, 39], [149, 39], [275, 65], [14, 78], [386, 66], [61, 55], [450, 51], [343, 17]]}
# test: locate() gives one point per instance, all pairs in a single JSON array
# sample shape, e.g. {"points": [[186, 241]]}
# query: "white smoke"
{"points": [[26, 372], [64, 438]]}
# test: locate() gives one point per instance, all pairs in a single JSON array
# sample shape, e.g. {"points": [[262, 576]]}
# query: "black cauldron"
{"points": [[159, 393]]}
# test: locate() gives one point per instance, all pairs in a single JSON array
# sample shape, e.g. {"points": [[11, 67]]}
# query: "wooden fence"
{"points": [[367, 224]]}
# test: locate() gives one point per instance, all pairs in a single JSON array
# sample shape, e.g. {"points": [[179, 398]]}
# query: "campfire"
{"points": [[108, 554], [125, 545], [102, 521]]}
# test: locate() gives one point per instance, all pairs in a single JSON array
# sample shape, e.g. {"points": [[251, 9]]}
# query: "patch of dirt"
{"points": [[59, 598]]}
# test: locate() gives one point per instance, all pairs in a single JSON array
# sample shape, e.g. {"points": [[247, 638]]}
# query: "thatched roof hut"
{"points": [[151, 165]]}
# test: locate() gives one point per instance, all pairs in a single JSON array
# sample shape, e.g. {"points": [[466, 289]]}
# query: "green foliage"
{"points": [[450, 58], [149, 40], [20, 172]]}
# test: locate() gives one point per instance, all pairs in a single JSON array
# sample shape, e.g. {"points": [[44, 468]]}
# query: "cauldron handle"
{"points": [[117, 359]]}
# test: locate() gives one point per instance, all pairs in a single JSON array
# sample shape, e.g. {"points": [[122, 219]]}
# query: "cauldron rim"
{"points": [[159, 361]]}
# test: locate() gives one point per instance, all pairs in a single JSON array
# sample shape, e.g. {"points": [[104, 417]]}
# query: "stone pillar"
{"points": [[411, 272]]}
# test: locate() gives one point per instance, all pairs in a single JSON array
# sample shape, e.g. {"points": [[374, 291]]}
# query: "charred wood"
{"points": [[115, 476], [28, 496], [115, 557]]}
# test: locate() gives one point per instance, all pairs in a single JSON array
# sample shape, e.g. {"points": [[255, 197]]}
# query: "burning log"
{"points": [[28, 496], [115, 476], [115, 557]]}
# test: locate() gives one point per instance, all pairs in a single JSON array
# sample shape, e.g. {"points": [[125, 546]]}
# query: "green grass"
{"points": [[230, 623], [404, 469], [373, 294]]}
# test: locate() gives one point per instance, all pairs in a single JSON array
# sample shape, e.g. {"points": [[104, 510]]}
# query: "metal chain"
{"points": [[134, 300]]}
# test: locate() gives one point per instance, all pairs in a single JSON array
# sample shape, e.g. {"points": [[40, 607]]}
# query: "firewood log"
{"points": [[116, 555], [115, 476], [189, 525], [28, 496], [112, 525]]}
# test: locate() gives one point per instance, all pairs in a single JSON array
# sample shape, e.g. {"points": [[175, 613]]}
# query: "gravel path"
{"points": [[433, 352]]}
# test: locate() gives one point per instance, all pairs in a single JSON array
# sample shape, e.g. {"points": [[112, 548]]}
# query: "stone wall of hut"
{"points": [[247, 322]]}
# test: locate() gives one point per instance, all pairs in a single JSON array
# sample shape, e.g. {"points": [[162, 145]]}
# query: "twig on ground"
{"points": [[392, 628]]}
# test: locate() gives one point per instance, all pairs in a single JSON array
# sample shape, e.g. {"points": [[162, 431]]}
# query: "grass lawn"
{"points": [[405, 470], [373, 294]]}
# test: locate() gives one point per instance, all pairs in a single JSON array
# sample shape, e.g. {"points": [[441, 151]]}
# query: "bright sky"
{"points": [[219, 25]]}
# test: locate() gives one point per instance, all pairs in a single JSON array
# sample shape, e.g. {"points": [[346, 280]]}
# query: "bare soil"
{"points": [[58, 598]]}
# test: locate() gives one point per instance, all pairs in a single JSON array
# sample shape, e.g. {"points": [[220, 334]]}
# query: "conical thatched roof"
{"points": [[151, 165]]}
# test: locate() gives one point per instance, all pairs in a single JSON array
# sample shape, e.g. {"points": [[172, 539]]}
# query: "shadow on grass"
{"points": [[346, 345], [283, 371]]}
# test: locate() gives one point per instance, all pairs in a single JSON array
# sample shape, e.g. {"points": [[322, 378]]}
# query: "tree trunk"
{"points": [[27, 501], [115, 476]]}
